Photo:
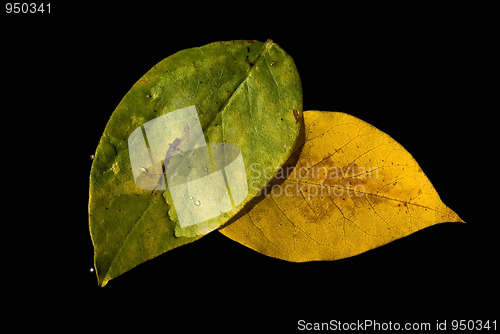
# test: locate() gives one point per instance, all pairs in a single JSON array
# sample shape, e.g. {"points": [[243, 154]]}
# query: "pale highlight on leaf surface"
{"points": [[353, 188]]}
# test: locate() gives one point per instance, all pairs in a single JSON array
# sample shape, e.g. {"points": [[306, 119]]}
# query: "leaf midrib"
{"points": [[268, 44], [371, 194]]}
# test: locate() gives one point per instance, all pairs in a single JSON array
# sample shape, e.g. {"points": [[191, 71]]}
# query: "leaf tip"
{"points": [[269, 42], [102, 281], [453, 217]]}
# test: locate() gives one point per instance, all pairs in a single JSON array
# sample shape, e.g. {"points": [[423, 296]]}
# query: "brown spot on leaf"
{"points": [[296, 114]]}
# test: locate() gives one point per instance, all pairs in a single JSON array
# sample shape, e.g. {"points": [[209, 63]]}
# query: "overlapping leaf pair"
{"points": [[321, 185]]}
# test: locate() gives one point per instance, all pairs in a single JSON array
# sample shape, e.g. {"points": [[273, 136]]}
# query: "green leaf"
{"points": [[246, 93]]}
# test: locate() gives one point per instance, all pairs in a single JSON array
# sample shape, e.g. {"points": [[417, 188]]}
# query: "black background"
{"points": [[416, 73]]}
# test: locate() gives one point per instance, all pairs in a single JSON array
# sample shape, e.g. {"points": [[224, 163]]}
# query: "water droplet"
{"points": [[191, 197], [143, 169], [91, 269], [197, 203], [205, 169], [92, 156], [186, 128]]}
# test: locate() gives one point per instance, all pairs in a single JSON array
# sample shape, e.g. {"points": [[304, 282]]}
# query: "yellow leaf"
{"points": [[352, 188]]}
